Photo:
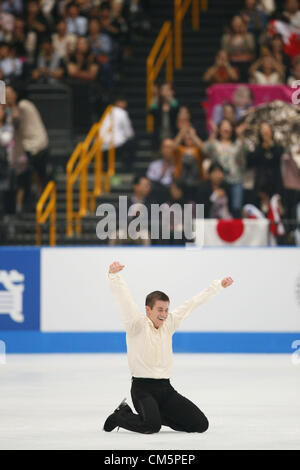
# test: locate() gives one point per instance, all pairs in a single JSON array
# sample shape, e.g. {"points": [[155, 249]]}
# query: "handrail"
{"points": [[77, 168], [163, 52], [77, 158], [42, 215], [180, 9]]}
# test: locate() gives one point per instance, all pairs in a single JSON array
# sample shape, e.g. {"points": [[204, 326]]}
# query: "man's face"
{"points": [[292, 6], [159, 313]]}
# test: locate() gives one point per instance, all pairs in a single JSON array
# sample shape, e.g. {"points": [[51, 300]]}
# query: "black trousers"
{"points": [[157, 403]]}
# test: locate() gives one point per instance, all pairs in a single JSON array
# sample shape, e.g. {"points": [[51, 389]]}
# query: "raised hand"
{"points": [[116, 267], [227, 281]]}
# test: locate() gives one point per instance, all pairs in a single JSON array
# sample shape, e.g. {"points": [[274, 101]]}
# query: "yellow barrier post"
{"points": [[77, 159], [42, 215], [163, 52]]}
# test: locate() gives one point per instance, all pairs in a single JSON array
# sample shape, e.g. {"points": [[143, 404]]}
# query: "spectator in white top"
{"points": [[122, 136], [266, 71], [76, 24], [63, 42], [10, 66], [161, 171], [292, 13]]}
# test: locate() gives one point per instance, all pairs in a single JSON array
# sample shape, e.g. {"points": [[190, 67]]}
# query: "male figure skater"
{"points": [[149, 350]]}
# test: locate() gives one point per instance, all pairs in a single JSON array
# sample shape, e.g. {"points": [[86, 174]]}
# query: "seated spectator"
{"points": [[29, 134], [21, 41], [291, 12], [14, 7], [161, 171], [268, 6], [240, 47], [10, 66], [35, 20], [139, 201], [214, 193], [164, 109], [102, 48], [76, 24], [221, 71], [189, 160], [123, 137], [64, 43], [242, 103], [82, 65], [136, 17], [49, 67], [266, 161], [255, 19], [267, 71], [228, 150], [296, 72], [276, 48]]}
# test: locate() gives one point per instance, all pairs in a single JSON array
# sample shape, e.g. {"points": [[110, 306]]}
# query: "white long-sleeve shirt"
{"points": [[122, 128], [149, 350]]}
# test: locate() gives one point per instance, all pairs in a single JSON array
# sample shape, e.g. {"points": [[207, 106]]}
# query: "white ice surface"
{"points": [[61, 402]]}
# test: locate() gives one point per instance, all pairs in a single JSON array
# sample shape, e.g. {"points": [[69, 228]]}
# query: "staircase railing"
{"points": [[180, 10], [77, 169], [161, 53], [44, 213]]}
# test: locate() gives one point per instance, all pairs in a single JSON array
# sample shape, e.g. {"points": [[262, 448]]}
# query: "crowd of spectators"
{"points": [[87, 41], [221, 171]]}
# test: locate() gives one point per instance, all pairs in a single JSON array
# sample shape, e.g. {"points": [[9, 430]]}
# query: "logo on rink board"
{"points": [[19, 289], [11, 298]]}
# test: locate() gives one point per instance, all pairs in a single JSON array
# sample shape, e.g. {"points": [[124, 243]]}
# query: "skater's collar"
{"points": [[151, 323]]}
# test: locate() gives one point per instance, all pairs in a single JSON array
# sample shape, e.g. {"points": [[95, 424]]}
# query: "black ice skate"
{"points": [[111, 422]]}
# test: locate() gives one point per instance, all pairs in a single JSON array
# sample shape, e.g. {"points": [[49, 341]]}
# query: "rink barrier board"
{"points": [[34, 342]]}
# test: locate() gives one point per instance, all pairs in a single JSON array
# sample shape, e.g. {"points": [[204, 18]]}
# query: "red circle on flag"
{"points": [[230, 230]]}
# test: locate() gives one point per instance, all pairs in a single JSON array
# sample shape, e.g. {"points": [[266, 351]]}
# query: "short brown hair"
{"points": [[154, 296]]}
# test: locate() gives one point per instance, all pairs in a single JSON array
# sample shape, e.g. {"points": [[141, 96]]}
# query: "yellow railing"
{"points": [[162, 52], [77, 169], [180, 9], [44, 213]]}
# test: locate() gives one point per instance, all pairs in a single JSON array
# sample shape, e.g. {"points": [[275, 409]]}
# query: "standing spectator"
{"points": [[76, 24], [31, 132], [242, 103], [214, 193], [221, 71], [267, 71], [123, 138], [64, 43], [228, 150], [188, 170], [164, 109], [240, 46], [266, 161]]}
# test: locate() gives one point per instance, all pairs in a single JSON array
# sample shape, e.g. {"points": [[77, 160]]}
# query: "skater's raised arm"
{"points": [[131, 317], [190, 305]]}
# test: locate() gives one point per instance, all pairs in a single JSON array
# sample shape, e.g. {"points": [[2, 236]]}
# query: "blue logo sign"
{"points": [[19, 289]]}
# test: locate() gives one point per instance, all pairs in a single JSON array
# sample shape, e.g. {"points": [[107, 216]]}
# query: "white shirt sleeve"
{"points": [[182, 312], [127, 127], [130, 314]]}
